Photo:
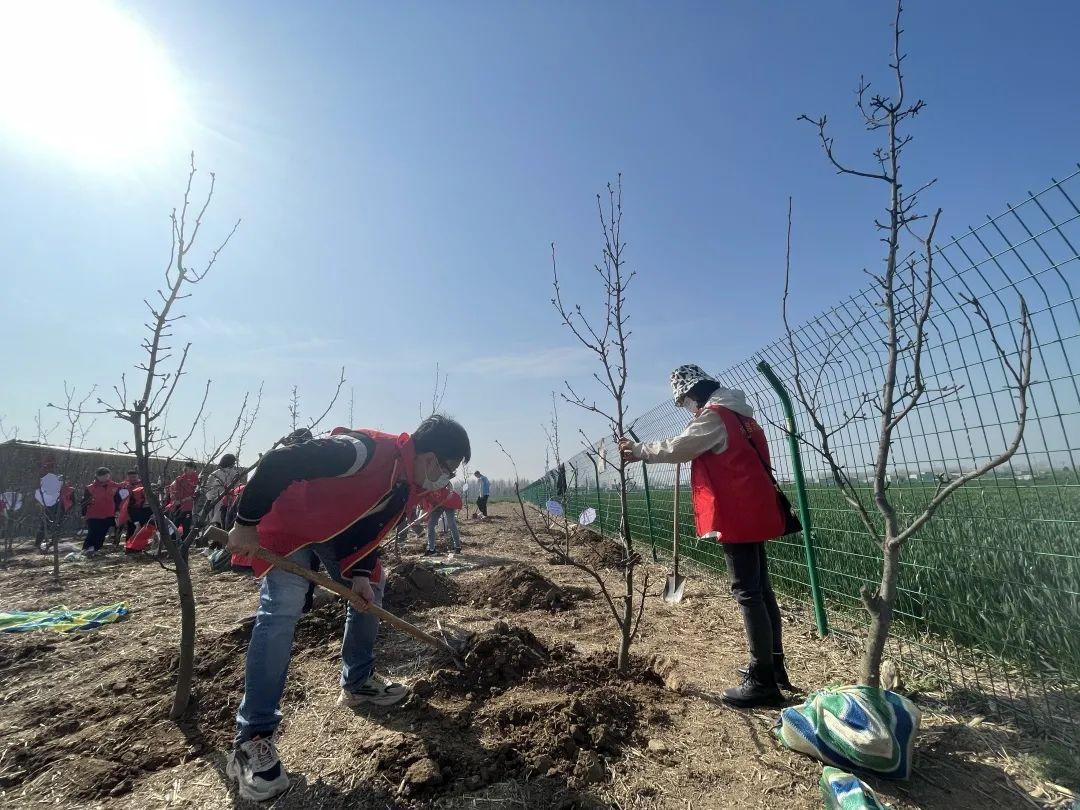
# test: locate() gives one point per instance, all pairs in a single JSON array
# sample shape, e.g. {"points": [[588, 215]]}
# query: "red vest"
{"points": [[136, 499], [102, 499], [446, 498], [133, 488], [318, 510], [182, 491], [732, 492]]}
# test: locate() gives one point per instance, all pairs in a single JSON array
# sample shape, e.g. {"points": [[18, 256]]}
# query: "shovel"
{"points": [[391, 536], [453, 649], [673, 588]]}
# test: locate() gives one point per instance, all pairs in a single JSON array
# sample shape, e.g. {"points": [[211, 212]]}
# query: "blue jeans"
{"points": [[281, 601], [433, 521]]}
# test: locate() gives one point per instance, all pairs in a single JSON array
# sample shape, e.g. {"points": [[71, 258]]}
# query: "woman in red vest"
{"points": [[329, 500], [735, 503]]}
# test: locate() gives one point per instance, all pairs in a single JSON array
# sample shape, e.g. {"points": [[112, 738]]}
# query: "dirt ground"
{"points": [[536, 719]]}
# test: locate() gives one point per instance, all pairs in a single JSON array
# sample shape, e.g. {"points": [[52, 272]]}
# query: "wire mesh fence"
{"points": [[989, 603]]}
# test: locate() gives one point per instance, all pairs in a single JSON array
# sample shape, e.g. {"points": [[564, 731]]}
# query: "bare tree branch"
{"points": [[333, 400]]}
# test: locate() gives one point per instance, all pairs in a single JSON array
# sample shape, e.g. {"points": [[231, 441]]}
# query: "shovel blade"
{"points": [[456, 641], [673, 589]]}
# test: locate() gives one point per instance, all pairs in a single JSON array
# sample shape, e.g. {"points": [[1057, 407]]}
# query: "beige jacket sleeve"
{"points": [[704, 434]]}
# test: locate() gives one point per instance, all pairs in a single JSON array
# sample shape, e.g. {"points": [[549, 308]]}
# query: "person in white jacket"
{"points": [[219, 485], [736, 503]]}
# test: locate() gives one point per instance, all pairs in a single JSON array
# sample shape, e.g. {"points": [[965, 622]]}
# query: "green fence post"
{"points": [[800, 491], [577, 497], [599, 505], [648, 497]]}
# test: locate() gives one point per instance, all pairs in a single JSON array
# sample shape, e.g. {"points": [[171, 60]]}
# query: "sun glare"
{"points": [[84, 80]]}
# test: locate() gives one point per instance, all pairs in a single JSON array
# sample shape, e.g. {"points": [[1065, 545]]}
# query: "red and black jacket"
{"points": [[347, 491]]}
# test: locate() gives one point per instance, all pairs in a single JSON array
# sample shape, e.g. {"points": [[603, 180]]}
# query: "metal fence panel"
{"points": [[989, 600]]}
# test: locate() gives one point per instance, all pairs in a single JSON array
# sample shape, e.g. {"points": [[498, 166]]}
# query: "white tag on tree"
{"points": [[555, 508], [587, 517]]}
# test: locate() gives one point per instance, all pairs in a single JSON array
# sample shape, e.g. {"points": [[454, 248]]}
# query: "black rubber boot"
{"points": [[758, 688], [779, 673]]}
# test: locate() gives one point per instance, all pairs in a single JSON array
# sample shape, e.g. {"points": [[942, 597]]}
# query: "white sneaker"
{"points": [[256, 767], [376, 691]]}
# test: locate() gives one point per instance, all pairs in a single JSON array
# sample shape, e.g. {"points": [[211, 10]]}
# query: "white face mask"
{"points": [[431, 486], [437, 484], [691, 407]]}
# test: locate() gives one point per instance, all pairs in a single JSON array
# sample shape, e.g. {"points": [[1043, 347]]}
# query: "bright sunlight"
{"points": [[84, 81]]}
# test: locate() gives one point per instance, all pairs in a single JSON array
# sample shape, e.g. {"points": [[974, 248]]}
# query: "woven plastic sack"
{"points": [[855, 728]]}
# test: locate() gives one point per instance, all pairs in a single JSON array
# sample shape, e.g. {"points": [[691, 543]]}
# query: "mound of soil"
{"points": [[411, 584], [597, 552], [520, 709], [520, 587]]}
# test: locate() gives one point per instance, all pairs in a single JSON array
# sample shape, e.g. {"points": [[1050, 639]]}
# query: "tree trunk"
{"points": [[186, 668], [880, 606], [627, 624], [186, 665]]}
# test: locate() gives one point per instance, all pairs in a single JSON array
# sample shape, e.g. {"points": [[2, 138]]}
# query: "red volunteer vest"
{"points": [[319, 510], [183, 491], [102, 499], [136, 499], [446, 498], [733, 494]]}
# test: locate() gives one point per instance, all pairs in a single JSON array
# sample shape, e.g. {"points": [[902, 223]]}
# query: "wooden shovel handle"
{"points": [[346, 593], [675, 522]]}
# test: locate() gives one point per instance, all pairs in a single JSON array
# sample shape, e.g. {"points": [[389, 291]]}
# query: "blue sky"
{"points": [[401, 169]]}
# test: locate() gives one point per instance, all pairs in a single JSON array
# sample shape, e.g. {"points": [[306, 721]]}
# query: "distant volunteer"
{"points": [[220, 487], [100, 502], [444, 502], [737, 503], [485, 491], [135, 510], [182, 497]]}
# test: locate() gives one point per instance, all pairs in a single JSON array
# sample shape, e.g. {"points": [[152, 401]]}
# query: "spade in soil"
{"points": [[676, 583], [453, 644]]}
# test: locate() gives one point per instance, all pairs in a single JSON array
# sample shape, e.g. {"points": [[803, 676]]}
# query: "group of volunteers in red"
{"points": [[333, 501]]}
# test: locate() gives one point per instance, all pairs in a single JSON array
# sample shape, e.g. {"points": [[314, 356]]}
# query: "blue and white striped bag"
{"points": [[855, 728], [842, 791]]}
